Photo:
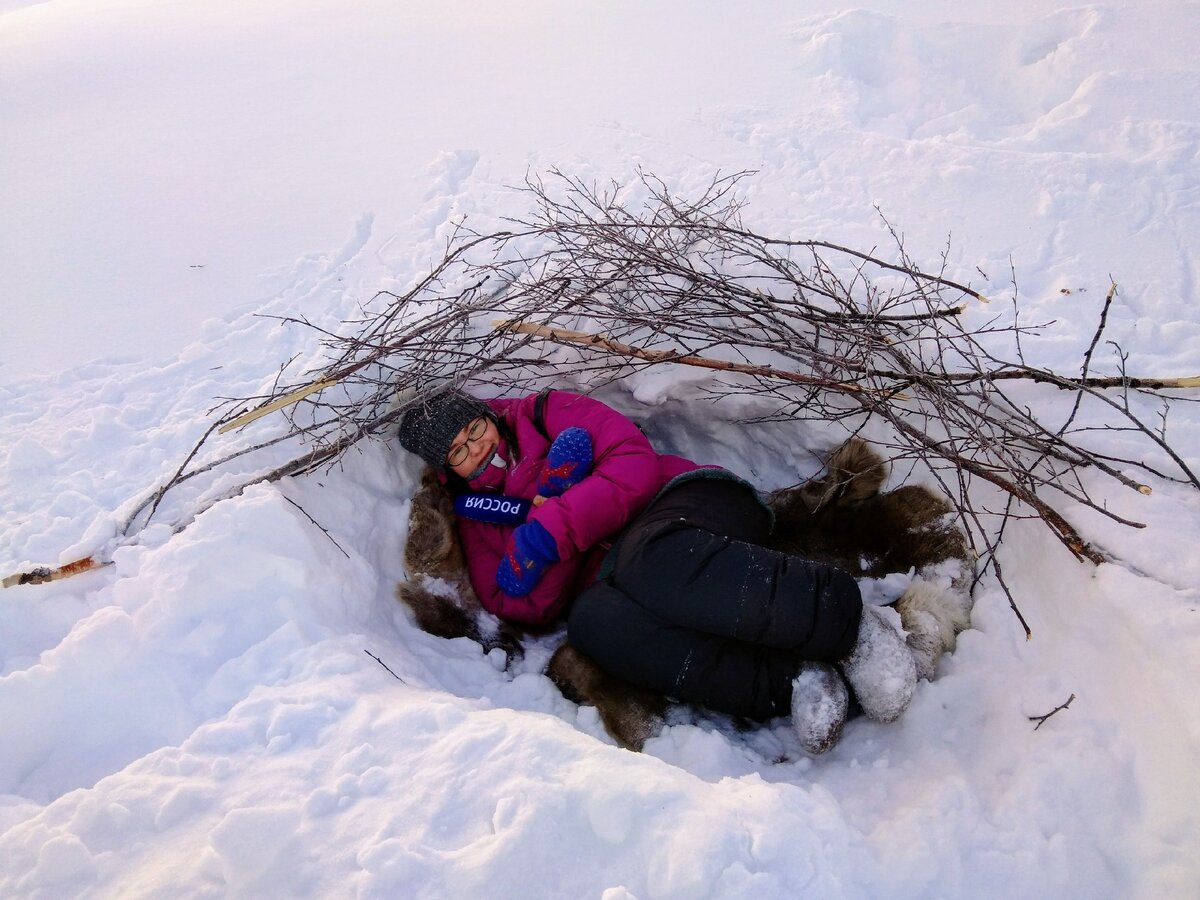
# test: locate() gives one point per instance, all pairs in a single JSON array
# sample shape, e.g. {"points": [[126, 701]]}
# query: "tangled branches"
{"points": [[600, 281]]}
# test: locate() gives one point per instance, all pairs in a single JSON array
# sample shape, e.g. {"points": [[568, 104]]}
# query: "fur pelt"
{"points": [[438, 590], [844, 518], [630, 714]]}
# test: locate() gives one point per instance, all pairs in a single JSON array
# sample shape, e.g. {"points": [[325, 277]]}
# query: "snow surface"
{"points": [[202, 718]]}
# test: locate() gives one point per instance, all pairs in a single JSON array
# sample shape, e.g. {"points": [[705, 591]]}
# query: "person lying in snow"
{"points": [[658, 563]]}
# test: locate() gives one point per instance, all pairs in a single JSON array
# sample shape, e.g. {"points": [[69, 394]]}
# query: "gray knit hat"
{"points": [[429, 428]]}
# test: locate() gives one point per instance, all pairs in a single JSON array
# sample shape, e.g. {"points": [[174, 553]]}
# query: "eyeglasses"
{"points": [[475, 430]]}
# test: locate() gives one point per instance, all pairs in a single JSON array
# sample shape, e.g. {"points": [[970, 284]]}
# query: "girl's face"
{"points": [[479, 445]]}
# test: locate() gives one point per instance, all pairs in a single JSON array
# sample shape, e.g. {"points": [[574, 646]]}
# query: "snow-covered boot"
{"points": [[819, 703], [880, 668]]}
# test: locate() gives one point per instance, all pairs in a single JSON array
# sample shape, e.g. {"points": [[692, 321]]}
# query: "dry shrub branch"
{"points": [[601, 280]]}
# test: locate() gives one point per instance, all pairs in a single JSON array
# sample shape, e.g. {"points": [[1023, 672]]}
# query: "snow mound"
{"points": [[243, 709]]}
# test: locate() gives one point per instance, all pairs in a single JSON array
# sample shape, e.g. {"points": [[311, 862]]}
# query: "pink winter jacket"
{"points": [[626, 474]]}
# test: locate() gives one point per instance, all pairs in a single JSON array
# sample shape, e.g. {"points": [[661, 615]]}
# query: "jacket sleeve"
{"points": [[486, 545], [624, 476]]}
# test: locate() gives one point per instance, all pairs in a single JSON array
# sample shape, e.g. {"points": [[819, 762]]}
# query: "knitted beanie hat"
{"points": [[429, 428]]}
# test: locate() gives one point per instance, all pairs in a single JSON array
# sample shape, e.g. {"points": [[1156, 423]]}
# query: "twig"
{"points": [[324, 530], [158, 496], [385, 665], [998, 571], [1042, 719]]}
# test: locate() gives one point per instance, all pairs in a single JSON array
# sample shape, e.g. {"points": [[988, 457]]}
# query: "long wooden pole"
{"points": [[599, 341]]}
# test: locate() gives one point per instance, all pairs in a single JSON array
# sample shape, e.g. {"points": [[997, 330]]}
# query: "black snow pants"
{"points": [[696, 607]]}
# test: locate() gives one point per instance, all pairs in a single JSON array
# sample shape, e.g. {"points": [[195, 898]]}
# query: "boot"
{"points": [[819, 703], [880, 668]]}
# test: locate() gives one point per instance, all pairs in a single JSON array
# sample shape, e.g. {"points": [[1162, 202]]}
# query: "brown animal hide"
{"points": [[438, 590], [432, 547], [630, 714], [845, 519]]}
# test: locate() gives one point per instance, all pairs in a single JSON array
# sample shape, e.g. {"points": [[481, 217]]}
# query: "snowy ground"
{"points": [[202, 718]]}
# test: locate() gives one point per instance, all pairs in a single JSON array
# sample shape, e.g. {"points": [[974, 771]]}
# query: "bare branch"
{"points": [[814, 331], [1041, 720]]}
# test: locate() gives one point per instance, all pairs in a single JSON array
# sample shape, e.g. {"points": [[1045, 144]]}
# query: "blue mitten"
{"points": [[532, 549], [567, 463]]}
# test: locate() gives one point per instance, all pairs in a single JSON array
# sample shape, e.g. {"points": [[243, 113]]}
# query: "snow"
{"points": [[203, 718]]}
